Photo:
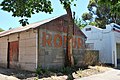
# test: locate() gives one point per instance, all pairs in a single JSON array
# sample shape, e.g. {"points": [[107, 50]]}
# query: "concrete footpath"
{"points": [[113, 74]]}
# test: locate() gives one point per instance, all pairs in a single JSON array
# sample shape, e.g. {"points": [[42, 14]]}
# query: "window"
{"points": [[88, 29]]}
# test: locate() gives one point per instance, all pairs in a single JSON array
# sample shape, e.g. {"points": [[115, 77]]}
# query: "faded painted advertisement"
{"points": [[58, 40], [53, 48]]}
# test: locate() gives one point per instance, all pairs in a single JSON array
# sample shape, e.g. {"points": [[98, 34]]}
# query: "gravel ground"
{"points": [[91, 71], [113, 74], [13, 74]]}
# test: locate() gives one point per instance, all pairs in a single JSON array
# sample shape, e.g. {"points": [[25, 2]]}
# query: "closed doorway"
{"points": [[118, 53], [13, 54]]}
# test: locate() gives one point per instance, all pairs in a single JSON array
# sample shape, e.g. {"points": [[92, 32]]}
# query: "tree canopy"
{"points": [[86, 16], [104, 11], [25, 8]]}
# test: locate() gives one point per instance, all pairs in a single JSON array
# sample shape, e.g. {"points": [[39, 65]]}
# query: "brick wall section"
{"points": [[51, 56], [13, 37], [3, 51], [27, 49]]}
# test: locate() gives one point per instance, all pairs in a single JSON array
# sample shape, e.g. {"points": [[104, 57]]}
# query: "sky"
{"points": [[7, 21]]}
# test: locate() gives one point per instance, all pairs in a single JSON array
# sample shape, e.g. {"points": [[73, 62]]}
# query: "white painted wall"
{"points": [[105, 41]]}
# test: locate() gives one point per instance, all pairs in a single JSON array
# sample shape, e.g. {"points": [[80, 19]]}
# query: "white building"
{"points": [[107, 41]]}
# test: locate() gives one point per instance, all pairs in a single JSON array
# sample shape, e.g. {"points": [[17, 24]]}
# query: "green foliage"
{"points": [[1, 30], [25, 8], [52, 72], [114, 5], [10, 28], [75, 60], [79, 23], [67, 3], [87, 16], [106, 11], [23, 22], [63, 70], [55, 72], [93, 23], [41, 71], [66, 70]]}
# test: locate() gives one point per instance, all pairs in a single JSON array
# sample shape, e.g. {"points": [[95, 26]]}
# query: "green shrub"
{"points": [[66, 70], [75, 60], [39, 70]]}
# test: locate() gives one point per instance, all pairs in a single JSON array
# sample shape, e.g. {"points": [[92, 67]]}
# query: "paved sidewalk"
{"points": [[113, 74]]}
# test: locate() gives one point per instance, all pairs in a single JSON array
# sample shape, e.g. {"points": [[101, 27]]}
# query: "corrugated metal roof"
{"points": [[30, 26]]}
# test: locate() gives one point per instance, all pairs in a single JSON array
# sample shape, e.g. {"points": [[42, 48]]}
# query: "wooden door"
{"points": [[13, 54]]}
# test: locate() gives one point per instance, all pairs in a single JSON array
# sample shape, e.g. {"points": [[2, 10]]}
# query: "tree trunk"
{"points": [[69, 37], [69, 56]]}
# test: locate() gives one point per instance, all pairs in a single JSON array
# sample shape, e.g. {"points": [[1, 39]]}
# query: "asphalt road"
{"points": [[113, 74]]}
